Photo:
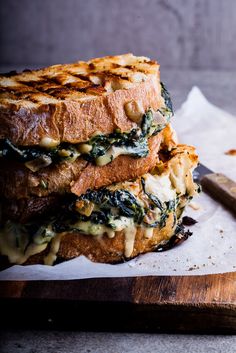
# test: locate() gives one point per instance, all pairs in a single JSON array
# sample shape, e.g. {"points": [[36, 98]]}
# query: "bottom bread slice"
{"points": [[110, 250]]}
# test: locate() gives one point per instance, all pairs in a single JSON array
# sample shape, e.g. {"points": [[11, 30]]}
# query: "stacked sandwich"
{"points": [[89, 164]]}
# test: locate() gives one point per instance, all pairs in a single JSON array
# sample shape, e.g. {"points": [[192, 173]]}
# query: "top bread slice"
{"points": [[71, 102]]}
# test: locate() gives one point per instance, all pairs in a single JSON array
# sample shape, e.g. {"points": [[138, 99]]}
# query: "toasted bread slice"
{"points": [[71, 102], [104, 249]]}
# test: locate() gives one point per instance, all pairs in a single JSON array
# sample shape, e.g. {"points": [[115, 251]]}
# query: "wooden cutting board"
{"points": [[143, 304]]}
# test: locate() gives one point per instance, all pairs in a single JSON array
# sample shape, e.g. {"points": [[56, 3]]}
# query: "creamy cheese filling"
{"points": [[123, 207], [51, 257], [16, 245], [111, 154]]}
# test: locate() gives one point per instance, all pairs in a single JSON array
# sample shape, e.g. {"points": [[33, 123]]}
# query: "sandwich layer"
{"points": [[17, 181], [100, 149], [113, 223]]}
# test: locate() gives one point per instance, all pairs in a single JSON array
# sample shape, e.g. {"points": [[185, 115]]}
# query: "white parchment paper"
{"points": [[211, 248]]}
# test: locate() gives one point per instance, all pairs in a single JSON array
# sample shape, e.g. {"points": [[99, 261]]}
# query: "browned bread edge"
{"points": [[104, 249], [74, 122]]}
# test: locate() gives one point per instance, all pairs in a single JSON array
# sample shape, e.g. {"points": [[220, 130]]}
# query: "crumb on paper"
{"points": [[194, 205], [221, 233], [195, 267], [231, 152], [219, 228]]}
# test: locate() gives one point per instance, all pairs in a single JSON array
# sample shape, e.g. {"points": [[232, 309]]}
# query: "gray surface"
{"points": [[179, 33], [220, 88], [81, 342]]}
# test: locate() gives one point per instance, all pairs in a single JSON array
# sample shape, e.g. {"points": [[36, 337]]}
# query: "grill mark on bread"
{"points": [[82, 77], [51, 77], [32, 102], [54, 87]]}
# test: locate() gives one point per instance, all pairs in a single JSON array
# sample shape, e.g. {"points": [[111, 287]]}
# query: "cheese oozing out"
{"points": [[14, 243], [111, 154]]}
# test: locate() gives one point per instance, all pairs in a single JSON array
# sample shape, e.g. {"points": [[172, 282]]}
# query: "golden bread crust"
{"points": [[62, 102]]}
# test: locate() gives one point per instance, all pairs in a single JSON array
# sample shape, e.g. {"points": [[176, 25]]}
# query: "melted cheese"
{"points": [[111, 154], [17, 251], [48, 142], [134, 110], [148, 232], [122, 224], [127, 225], [85, 148], [130, 233], [51, 257], [93, 229], [180, 174], [160, 186], [15, 244]]}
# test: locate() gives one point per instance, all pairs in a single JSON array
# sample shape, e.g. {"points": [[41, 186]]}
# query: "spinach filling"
{"points": [[44, 156], [134, 143], [109, 206], [109, 209], [168, 103], [165, 207]]}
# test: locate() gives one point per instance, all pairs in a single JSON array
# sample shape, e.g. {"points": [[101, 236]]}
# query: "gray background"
{"points": [[178, 33]]}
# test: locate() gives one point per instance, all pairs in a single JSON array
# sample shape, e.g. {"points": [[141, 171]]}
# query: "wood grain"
{"points": [[180, 303], [221, 188]]}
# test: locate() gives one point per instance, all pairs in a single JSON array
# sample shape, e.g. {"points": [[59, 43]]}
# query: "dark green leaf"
{"points": [[165, 94]]}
